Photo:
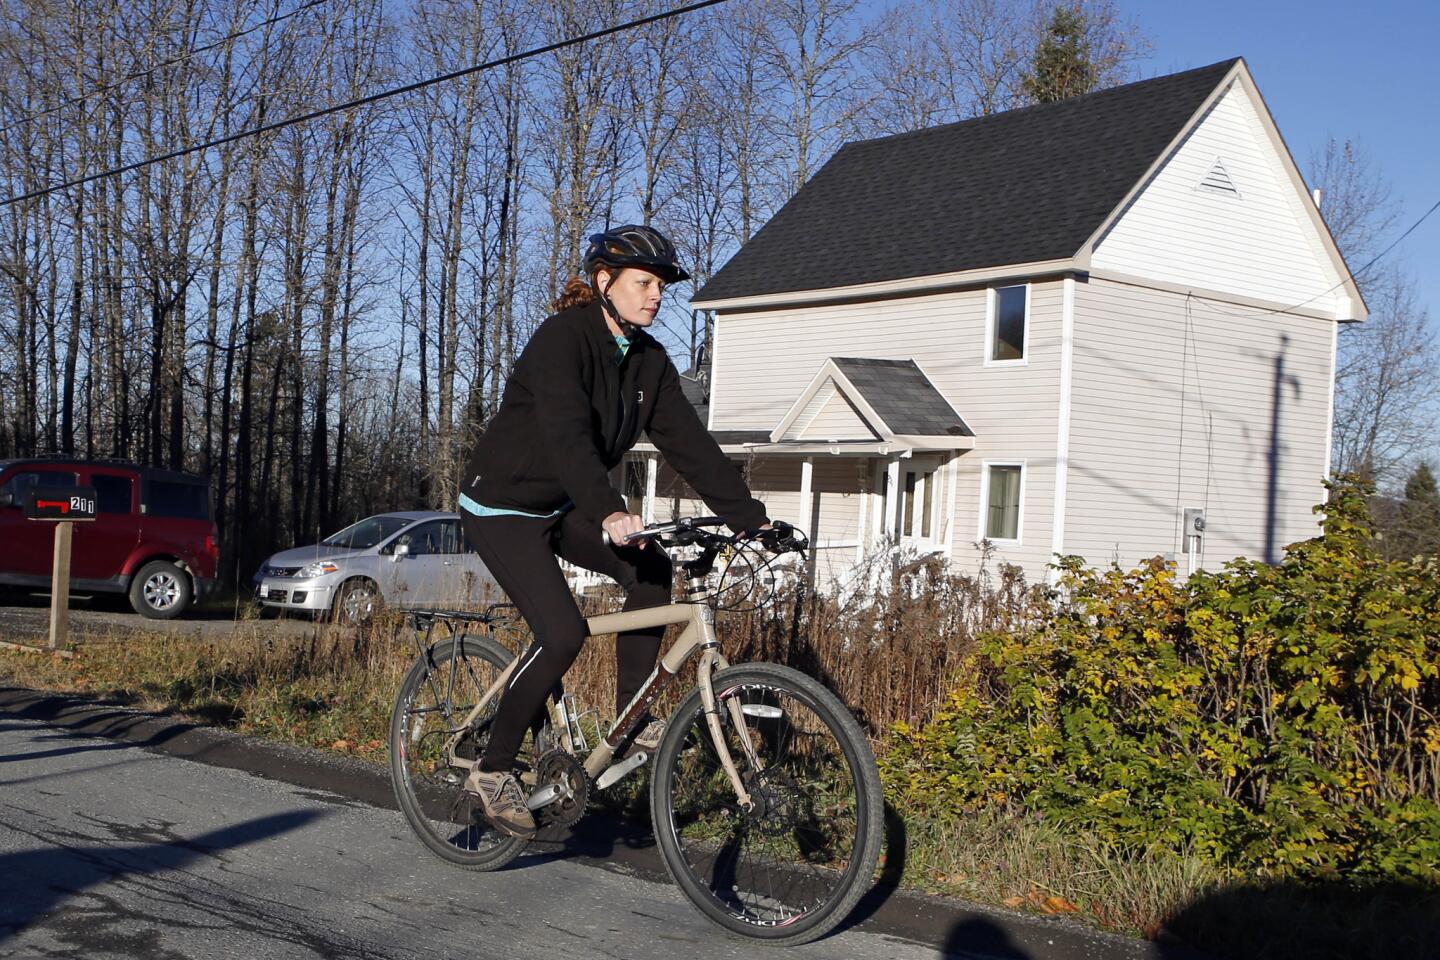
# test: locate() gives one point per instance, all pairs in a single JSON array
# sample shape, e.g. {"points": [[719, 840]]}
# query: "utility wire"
{"points": [[1354, 274], [362, 101], [159, 66], [1396, 243]]}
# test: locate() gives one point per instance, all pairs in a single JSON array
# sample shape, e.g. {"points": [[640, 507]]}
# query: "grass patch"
{"points": [[330, 689], [1029, 864]]}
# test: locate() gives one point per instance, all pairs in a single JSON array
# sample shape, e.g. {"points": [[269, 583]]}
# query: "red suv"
{"points": [[152, 536]]}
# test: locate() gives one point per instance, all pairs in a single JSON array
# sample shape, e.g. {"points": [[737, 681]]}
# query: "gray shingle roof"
{"points": [[903, 397], [1017, 187]]}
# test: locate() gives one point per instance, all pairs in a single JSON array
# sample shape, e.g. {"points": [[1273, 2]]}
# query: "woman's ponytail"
{"points": [[577, 293]]}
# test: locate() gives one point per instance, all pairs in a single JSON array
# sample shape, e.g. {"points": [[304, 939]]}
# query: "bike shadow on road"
{"points": [[73, 870], [113, 725]]}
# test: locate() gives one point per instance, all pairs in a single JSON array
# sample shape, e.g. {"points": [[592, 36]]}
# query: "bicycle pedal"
{"points": [[613, 774]]}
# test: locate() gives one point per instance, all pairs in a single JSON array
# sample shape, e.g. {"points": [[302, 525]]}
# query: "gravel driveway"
{"points": [[26, 619]]}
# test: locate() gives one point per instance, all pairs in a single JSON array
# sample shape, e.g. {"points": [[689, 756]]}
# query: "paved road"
{"points": [[109, 850]]}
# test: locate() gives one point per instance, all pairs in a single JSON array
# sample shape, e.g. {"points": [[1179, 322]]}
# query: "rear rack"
{"points": [[456, 621]]}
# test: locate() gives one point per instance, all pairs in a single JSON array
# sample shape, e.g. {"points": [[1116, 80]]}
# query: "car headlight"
{"points": [[319, 568]]}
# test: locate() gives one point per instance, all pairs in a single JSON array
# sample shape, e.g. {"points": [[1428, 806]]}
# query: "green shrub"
{"points": [[1279, 720]]}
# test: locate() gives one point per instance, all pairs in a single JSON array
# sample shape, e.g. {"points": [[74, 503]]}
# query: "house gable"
{"points": [[870, 399], [1226, 211], [827, 415]]}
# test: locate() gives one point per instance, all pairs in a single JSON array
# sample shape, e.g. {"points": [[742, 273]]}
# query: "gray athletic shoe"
{"points": [[502, 800]]}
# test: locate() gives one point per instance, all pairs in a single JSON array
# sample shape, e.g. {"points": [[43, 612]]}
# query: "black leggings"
{"points": [[520, 552]]}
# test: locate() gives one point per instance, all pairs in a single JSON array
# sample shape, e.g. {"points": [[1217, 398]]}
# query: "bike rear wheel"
{"points": [[438, 692], [795, 864]]}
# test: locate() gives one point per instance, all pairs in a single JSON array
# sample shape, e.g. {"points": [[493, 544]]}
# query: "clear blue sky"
{"points": [[1364, 71]]}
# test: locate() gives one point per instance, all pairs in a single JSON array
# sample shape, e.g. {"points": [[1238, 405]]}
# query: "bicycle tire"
{"points": [[445, 818], [689, 794]]}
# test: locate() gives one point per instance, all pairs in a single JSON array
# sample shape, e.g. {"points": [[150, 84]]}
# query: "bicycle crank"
{"points": [[562, 789]]}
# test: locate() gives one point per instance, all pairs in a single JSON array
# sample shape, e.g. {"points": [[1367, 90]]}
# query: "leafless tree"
{"points": [[1387, 378]]}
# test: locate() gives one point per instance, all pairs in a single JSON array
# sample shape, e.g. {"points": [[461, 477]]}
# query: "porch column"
{"points": [[952, 467], [807, 467], [892, 498], [862, 523], [651, 468]]}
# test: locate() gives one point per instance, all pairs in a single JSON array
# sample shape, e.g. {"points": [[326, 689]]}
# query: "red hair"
{"points": [[577, 293]]}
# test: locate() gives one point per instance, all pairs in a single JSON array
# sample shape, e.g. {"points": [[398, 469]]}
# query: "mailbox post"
{"points": [[64, 507]]}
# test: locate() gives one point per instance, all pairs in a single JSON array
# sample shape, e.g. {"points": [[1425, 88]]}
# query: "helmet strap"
{"points": [[627, 329]]}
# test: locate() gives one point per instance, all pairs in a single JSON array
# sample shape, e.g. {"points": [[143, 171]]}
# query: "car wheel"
{"points": [[160, 591], [357, 602]]}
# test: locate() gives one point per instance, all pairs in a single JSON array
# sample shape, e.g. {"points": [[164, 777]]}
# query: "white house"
{"points": [[1055, 330]]}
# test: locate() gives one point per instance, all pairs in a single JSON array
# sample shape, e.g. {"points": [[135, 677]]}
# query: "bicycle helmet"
{"points": [[634, 245]]}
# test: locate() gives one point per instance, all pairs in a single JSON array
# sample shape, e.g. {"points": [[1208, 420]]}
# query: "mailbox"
{"points": [[60, 503]]}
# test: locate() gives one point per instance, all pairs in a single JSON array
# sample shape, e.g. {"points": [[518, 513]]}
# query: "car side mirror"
{"points": [[401, 550], [7, 499]]}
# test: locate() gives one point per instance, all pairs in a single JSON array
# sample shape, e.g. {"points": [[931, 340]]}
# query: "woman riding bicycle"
{"points": [[537, 486]]}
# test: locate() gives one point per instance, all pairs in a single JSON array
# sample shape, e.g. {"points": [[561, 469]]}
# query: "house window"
{"points": [[1009, 315], [914, 504], [1001, 496]]}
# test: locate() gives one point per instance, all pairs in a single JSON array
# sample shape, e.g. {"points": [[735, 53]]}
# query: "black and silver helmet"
{"points": [[634, 246]]}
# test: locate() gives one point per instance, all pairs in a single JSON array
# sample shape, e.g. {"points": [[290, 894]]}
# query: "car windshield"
{"points": [[366, 533]]}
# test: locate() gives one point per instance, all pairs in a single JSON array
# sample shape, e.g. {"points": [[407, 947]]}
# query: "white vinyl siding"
{"points": [[836, 419], [1225, 410], [766, 359], [1258, 241]]}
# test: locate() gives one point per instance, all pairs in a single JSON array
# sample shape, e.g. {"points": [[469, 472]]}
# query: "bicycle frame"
{"points": [[698, 636]]}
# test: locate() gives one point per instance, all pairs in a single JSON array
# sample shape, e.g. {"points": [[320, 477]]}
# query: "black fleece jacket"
{"points": [[570, 413]]}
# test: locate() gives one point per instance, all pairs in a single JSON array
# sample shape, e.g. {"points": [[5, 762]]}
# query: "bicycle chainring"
{"points": [[559, 767]]}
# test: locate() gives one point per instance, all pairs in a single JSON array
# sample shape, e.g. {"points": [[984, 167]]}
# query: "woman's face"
{"points": [[636, 293]]}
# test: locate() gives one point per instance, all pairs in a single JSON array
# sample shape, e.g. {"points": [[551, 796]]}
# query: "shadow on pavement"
{"points": [[1314, 921], [893, 870], [981, 937], [34, 882]]}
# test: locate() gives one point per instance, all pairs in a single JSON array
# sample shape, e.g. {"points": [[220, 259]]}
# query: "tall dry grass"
{"points": [[889, 652]]}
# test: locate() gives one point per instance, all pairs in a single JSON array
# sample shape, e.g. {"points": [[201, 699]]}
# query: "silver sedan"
{"points": [[408, 558]]}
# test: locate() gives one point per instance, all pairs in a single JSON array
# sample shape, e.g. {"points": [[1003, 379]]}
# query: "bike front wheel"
{"points": [[794, 864], [438, 693]]}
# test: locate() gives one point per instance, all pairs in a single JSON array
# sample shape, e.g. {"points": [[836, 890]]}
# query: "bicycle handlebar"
{"points": [[781, 537]]}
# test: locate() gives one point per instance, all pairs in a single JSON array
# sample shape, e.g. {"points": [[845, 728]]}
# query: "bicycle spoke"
{"points": [[771, 865], [438, 695]]}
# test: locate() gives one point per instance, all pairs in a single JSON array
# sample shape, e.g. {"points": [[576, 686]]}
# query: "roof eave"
{"points": [[904, 285], [935, 442]]}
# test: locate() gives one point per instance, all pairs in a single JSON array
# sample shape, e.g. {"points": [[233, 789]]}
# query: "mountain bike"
{"points": [[764, 794]]}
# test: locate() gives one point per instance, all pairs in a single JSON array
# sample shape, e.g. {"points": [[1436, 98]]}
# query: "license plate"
{"points": [[277, 595]]}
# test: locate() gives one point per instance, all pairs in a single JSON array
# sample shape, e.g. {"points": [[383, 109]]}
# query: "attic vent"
{"points": [[1218, 181]]}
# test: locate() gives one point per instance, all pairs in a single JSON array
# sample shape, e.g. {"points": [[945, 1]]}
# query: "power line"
{"points": [[362, 101], [1396, 243], [159, 66], [1354, 274]]}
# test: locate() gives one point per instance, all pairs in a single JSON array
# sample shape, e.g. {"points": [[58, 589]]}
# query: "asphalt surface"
{"points": [[115, 843]]}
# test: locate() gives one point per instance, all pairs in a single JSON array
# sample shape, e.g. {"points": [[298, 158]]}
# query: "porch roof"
{"points": [[857, 406], [876, 401]]}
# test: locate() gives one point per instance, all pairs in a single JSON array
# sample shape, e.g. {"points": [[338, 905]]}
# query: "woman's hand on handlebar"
{"points": [[619, 525]]}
